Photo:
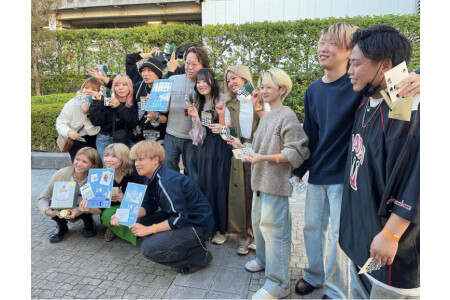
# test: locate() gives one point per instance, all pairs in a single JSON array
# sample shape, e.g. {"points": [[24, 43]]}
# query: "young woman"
{"points": [[244, 116], [280, 145], [215, 154], [117, 119], [117, 156], [74, 122], [85, 159]]}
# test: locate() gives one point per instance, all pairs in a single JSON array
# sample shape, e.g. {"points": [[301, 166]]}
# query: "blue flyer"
{"points": [[160, 95], [131, 203], [98, 189]]}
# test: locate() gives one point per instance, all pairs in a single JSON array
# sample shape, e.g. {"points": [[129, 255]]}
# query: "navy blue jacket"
{"points": [[180, 198], [329, 115]]}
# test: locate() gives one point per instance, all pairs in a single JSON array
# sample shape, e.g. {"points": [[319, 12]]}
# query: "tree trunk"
{"points": [[34, 58]]}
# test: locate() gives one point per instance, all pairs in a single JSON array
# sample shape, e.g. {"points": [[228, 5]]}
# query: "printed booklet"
{"points": [[131, 203], [99, 187], [63, 195]]}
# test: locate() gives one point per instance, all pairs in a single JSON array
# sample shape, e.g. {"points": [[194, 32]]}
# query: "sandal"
{"points": [[109, 235]]}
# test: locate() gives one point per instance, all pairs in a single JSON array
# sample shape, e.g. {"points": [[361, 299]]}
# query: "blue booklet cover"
{"points": [[131, 203], [98, 189], [160, 95], [63, 195]]}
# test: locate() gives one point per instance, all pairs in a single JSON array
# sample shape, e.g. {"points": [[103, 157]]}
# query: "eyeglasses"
{"points": [[194, 65]]}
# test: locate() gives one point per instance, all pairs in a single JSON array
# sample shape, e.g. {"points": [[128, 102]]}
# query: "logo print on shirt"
{"points": [[357, 158]]}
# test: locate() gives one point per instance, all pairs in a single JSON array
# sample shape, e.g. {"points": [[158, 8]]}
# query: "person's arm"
{"points": [[97, 113], [142, 230], [131, 67], [312, 130], [94, 72], [63, 121], [257, 106]]}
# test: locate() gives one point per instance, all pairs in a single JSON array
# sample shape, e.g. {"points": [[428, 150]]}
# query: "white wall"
{"points": [[242, 11]]}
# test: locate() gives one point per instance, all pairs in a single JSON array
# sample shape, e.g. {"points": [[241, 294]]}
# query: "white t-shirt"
{"points": [[245, 119]]}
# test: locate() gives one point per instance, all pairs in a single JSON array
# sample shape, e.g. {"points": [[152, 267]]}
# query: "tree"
{"points": [[41, 38]]}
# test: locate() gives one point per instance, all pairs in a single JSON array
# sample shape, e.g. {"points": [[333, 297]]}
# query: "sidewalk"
{"points": [[93, 268]]}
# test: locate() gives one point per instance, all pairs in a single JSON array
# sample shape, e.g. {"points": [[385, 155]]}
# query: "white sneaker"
{"points": [[262, 293], [252, 246], [219, 239], [252, 266]]}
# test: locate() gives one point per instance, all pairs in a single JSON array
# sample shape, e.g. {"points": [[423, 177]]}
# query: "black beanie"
{"points": [[154, 65]]}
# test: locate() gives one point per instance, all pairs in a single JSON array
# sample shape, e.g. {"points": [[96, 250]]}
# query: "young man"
{"points": [[177, 235], [330, 104], [177, 141], [380, 207]]}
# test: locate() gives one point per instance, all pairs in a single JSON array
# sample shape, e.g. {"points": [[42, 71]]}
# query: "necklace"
{"points": [[364, 123], [146, 86]]}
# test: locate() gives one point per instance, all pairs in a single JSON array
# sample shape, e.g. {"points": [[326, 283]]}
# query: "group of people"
{"points": [[363, 165]]}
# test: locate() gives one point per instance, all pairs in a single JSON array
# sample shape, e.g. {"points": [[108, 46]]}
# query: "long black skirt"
{"points": [[214, 176]]}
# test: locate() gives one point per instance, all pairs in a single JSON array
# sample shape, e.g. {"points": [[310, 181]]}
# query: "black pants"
{"points": [[87, 220], [77, 145], [183, 249]]}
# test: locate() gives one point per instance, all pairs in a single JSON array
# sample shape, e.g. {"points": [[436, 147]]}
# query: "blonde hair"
{"points": [[92, 155], [92, 81], [241, 71], [340, 32], [122, 152], [124, 78], [147, 149], [278, 78]]}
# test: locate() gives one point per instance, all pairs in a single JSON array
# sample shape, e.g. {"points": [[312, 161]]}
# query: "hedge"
{"points": [[43, 130], [290, 45]]}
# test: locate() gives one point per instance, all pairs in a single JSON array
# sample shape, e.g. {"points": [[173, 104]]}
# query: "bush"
{"points": [[290, 45], [43, 130], [53, 98]]}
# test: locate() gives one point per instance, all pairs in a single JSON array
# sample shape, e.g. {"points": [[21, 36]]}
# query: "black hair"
{"points": [[210, 78], [383, 42]]}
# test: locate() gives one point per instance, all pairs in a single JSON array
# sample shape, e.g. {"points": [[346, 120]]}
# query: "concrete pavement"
{"points": [[79, 268]]}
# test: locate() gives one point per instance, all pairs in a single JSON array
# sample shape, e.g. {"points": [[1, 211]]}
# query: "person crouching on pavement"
{"points": [[280, 145], [178, 239]]}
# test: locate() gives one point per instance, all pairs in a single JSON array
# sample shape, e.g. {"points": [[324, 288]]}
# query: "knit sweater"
{"points": [[72, 118], [278, 132]]}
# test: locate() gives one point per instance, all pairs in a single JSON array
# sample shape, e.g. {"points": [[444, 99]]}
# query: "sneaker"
{"points": [[109, 235], [252, 246], [252, 266], [242, 250], [219, 238], [262, 293]]}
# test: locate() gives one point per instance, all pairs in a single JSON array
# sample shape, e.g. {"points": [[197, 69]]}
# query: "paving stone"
{"points": [[200, 279], [182, 292], [223, 295], [231, 280]]}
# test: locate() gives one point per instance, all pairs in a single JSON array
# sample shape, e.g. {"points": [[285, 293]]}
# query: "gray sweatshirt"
{"points": [[279, 131], [178, 124]]}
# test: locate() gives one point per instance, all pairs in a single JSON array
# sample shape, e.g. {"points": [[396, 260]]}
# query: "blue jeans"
{"points": [[102, 142], [175, 146], [272, 227], [323, 202]]}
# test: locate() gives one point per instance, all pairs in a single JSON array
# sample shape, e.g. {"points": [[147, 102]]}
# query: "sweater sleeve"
{"points": [[295, 141], [63, 120], [97, 113], [311, 131], [197, 133], [131, 67]]}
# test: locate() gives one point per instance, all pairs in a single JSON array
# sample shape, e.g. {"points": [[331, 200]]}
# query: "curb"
{"points": [[50, 160]]}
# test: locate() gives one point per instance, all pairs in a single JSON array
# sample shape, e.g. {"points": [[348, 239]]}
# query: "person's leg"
{"points": [[316, 223], [276, 228], [337, 273], [90, 228], [154, 218], [379, 292], [190, 154], [60, 231], [360, 285], [259, 239], [184, 249], [102, 142], [172, 152]]}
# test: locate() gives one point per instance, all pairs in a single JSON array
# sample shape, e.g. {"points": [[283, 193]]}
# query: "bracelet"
{"points": [[154, 228], [390, 236], [277, 158]]}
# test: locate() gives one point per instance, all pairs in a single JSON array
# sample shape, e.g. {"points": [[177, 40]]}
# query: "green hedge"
{"points": [[43, 130], [53, 98], [289, 45]]}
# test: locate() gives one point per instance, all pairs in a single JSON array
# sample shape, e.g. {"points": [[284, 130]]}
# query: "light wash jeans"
{"points": [[272, 227], [102, 142], [323, 202], [175, 146]]}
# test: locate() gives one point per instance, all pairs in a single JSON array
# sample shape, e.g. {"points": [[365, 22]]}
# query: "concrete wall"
{"points": [[242, 11]]}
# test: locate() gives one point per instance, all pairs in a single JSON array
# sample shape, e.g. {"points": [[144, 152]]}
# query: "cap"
{"points": [[154, 64]]}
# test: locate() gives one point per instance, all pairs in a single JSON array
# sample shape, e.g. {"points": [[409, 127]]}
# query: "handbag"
{"points": [[65, 143]]}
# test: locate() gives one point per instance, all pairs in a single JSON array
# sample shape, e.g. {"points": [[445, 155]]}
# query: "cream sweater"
{"points": [[279, 131]]}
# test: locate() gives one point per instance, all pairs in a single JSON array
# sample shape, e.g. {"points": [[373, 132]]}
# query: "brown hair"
{"points": [[92, 155], [93, 81], [201, 54]]}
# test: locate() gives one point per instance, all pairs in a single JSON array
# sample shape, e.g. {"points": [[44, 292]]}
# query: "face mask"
{"points": [[369, 89]]}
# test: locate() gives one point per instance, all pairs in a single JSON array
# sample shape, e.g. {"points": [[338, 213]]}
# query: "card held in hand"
{"points": [[206, 118], [369, 266]]}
